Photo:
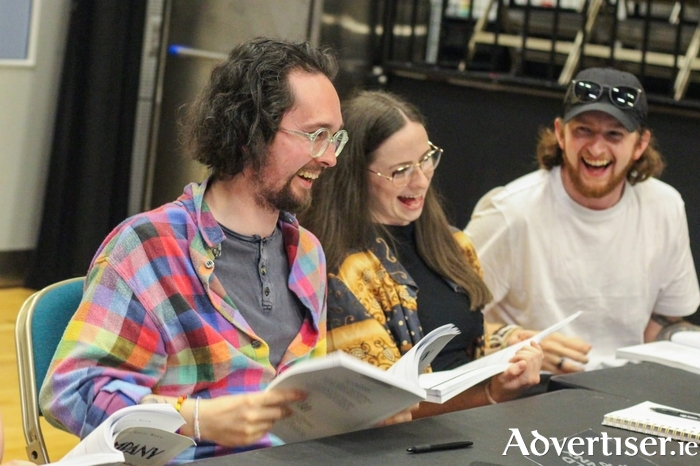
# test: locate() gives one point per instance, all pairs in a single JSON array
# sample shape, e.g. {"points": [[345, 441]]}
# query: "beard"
{"points": [[598, 191], [283, 198]]}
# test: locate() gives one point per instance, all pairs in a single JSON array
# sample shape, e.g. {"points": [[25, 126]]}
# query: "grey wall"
{"points": [[213, 26], [28, 96]]}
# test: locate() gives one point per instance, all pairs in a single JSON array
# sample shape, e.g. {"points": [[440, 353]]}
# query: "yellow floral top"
{"points": [[372, 306]]}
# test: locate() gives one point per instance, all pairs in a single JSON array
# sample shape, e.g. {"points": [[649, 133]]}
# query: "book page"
{"points": [[443, 386], [414, 362], [664, 352], [101, 440], [148, 446], [688, 338], [436, 380], [504, 355], [159, 416], [334, 360], [343, 394]]}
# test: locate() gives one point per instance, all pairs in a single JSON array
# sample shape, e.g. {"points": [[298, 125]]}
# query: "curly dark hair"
{"points": [[651, 163], [235, 118]]}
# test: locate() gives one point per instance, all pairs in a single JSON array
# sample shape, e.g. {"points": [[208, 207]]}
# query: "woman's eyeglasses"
{"points": [[321, 139], [427, 164], [624, 97]]}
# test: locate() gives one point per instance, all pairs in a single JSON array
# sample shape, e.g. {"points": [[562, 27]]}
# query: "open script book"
{"points": [[443, 385], [347, 394], [138, 435], [681, 355]]}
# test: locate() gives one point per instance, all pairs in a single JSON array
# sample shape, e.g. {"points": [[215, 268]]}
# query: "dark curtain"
{"points": [[88, 182]]}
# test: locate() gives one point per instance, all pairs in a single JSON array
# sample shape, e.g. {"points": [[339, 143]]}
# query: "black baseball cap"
{"points": [[617, 93]]}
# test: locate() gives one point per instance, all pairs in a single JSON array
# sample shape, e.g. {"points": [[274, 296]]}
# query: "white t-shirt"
{"points": [[545, 256]]}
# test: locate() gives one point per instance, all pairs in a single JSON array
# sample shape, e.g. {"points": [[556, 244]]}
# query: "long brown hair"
{"points": [[340, 211], [651, 163]]}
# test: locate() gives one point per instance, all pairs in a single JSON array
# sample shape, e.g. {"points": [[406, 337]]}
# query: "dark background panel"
{"points": [[490, 135]]}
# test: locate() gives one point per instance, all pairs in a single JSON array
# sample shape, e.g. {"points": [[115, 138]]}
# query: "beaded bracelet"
{"points": [[178, 403], [499, 338]]}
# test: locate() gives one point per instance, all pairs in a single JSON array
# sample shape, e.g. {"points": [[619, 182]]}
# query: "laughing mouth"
{"points": [[597, 163], [308, 175], [408, 200]]}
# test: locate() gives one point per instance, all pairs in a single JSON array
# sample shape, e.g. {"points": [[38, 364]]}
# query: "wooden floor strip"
{"points": [[58, 442]]}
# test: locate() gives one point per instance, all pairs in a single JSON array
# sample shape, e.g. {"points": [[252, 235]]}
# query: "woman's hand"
{"points": [[404, 416], [562, 354], [523, 372]]}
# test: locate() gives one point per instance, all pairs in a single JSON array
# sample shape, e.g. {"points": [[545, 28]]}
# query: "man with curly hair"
{"points": [[593, 230], [201, 302]]}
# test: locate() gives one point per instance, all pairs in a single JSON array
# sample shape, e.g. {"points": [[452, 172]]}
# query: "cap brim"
{"points": [[620, 115]]}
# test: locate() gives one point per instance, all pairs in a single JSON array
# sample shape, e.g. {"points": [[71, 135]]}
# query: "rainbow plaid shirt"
{"points": [[155, 319]]}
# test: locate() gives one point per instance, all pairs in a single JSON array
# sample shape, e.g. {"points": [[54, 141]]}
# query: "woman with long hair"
{"points": [[397, 269]]}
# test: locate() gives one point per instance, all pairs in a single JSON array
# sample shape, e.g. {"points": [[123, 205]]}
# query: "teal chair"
{"points": [[41, 320]]}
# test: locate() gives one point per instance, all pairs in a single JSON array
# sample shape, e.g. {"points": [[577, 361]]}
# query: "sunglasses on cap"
{"points": [[623, 97]]}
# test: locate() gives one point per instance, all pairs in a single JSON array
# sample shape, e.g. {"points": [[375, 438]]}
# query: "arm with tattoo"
{"points": [[663, 327]]}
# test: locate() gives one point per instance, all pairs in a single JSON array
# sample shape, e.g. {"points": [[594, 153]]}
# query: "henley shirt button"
{"points": [[209, 264], [267, 291], [256, 344], [263, 271]]}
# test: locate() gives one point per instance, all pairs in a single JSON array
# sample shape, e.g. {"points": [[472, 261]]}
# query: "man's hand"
{"points": [[239, 420], [562, 354]]}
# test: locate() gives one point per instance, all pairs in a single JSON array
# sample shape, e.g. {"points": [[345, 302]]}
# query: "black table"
{"points": [[645, 381], [557, 414]]}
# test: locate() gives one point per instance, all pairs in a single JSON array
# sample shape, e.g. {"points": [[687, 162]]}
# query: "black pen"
{"points": [[438, 447], [673, 412]]}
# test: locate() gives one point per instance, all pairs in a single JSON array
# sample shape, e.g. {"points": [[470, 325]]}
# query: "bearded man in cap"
{"points": [[593, 230]]}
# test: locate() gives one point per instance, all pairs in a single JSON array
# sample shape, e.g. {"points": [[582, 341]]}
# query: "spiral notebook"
{"points": [[641, 418]]}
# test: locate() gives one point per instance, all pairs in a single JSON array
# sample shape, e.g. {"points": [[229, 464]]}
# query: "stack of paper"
{"points": [[667, 353], [441, 386]]}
